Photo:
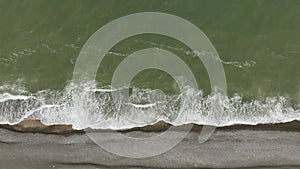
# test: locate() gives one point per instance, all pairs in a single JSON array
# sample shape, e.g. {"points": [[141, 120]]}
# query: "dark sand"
{"points": [[261, 146]]}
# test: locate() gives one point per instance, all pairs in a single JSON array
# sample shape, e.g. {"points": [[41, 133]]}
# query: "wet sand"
{"points": [[35, 126], [261, 146]]}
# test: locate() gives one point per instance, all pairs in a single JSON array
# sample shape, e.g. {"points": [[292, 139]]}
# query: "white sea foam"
{"points": [[7, 96], [85, 107]]}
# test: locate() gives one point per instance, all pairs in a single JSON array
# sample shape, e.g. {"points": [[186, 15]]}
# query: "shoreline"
{"points": [[227, 148], [36, 126]]}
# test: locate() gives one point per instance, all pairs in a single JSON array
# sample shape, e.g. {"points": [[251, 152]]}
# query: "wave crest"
{"points": [[83, 107]]}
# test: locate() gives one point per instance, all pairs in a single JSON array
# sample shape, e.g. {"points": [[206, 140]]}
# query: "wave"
{"points": [[242, 65], [85, 107]]}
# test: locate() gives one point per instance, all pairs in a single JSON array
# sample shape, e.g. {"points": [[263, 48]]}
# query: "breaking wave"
{"points": [[85, 107]]}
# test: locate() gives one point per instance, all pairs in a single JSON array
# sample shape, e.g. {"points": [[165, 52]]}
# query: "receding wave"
{"points": [[85, 107]]}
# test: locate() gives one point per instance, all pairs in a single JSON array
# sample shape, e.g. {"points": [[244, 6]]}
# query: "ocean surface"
{"points": [[258, 42]]}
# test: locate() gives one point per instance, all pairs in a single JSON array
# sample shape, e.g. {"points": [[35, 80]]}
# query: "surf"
{"points": [[97, 109]]}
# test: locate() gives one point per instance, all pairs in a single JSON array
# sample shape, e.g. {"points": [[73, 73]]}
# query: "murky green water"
{"points": [[257, 40]]}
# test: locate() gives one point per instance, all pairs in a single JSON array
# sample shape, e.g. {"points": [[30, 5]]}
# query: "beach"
{"points": [[150, 84], [257, 147]]}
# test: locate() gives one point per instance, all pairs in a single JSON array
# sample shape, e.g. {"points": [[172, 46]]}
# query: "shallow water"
{"points": [[258, 43]]}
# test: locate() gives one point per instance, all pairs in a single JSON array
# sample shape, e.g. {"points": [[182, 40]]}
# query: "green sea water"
{"points": [[258, 42]]}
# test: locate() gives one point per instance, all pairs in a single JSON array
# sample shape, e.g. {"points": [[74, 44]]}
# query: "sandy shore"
{"points": [[262, 146], [35, 126]]}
